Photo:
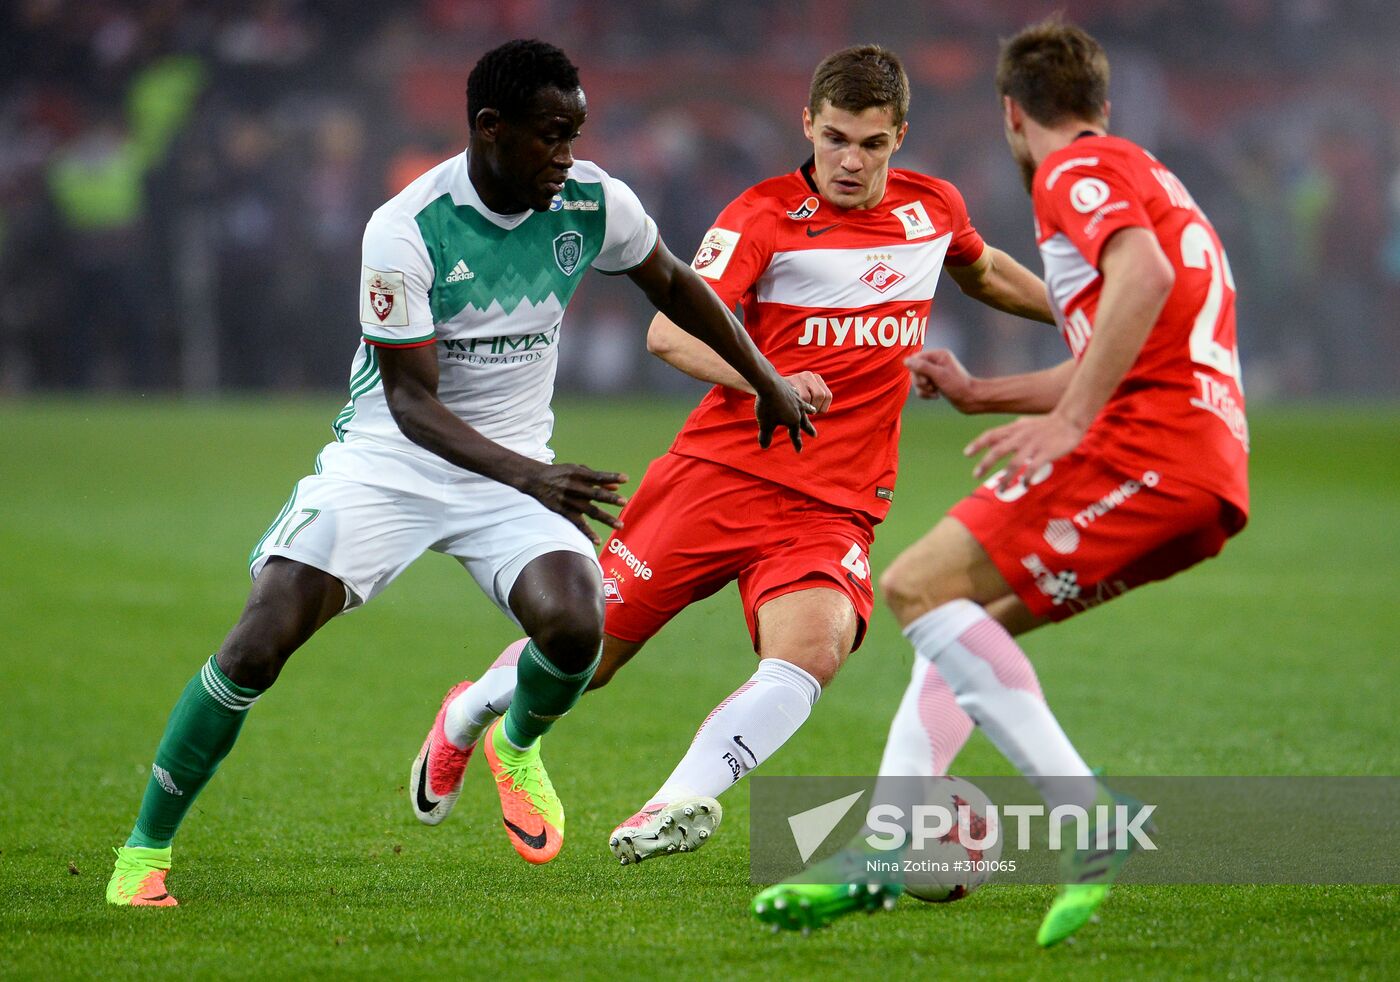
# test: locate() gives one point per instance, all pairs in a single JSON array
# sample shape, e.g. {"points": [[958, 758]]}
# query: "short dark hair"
{"points": [[858, 78], [507, 78], [1056, 71]]}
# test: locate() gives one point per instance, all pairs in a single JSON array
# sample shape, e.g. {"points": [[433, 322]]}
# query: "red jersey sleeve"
{"points": [[967, 245], [1088, 199], [737, 249]]}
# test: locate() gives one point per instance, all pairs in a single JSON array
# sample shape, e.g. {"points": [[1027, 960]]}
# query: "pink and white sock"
{"points": [[996, 686], [744, 730], [926, 734], [488, 698], [928, 729]]}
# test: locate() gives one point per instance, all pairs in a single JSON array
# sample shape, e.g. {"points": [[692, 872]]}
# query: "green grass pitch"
{"points": [[124, 534]]}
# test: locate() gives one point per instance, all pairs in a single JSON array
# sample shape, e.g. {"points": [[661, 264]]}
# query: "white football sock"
{"points": [[996, 686], [743, 731], [487, 698]]}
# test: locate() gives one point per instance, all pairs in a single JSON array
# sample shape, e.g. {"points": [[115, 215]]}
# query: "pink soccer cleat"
{"points": [[436, 778]]}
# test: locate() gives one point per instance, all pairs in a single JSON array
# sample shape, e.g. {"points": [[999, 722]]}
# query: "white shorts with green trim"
{"points": [[370, 511]]}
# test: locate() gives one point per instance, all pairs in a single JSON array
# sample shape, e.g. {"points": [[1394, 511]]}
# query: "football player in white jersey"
{"points": [[443, 444]]}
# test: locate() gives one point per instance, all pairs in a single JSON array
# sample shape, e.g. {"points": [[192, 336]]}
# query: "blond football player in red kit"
{"points": [[1128, 467], [834, 265]]}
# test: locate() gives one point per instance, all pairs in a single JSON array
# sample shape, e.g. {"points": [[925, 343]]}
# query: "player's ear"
{"points": [[899, 134], [807, 123], [1011, 114], [486, 125], [1107, 108]]}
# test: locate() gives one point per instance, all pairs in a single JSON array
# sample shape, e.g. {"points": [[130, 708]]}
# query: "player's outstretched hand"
{"points": [[783, 406], [1027, 444], [573, 491], [937, 372], [812, 388]]}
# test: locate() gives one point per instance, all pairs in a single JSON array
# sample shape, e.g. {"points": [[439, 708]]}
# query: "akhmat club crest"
{"points": [[568, 248]]}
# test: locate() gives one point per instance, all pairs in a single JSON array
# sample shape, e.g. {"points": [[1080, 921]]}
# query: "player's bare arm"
{"points": [[1137, 278], [689, 354], [410, 386], [938, 373], [678, 292], [1000, 281]]}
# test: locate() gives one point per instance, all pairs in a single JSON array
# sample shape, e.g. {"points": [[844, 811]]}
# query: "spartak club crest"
{"points": [[881, 277]]}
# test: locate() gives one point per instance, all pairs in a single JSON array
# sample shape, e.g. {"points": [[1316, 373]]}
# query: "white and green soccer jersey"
{"points": [[488, 291]]}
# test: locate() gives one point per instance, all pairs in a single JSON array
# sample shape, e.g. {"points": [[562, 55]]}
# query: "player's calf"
{"points": [[616, 653]]}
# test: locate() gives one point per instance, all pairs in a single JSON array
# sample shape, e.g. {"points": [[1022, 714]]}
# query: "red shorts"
{"points": [[693, 525], [1088, 530]]}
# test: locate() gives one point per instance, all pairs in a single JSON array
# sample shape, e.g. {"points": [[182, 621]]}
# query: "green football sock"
{"points": [[200, 733], [542, 694]]}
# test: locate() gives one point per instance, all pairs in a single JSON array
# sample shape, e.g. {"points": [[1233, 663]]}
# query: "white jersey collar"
{"points": [[466, 195]]}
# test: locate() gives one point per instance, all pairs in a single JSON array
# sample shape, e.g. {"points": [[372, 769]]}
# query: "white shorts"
{"points": [[368, 512]]}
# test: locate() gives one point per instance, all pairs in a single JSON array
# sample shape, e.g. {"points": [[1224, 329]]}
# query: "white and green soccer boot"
{"points": [[1087, 875], [831, 889]]}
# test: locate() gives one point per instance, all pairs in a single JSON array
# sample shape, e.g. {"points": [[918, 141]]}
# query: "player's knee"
{"points": [[558, 598], [570, 634], [822, 664], [907, 592], [896, 584], [263, 640], [288, 604], [819, 654]]}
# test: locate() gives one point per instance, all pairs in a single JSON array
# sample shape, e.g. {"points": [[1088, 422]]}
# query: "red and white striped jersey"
{"points": [[1181, 405], [843, 293]]}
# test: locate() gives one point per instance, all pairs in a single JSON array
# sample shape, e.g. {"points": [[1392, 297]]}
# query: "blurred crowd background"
{"points": [[184, 183]]}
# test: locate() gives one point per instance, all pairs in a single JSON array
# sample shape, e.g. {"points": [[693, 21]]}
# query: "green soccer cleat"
{"points": [[139, 878], [805, 904], [1088, 876], [1072, 909]]}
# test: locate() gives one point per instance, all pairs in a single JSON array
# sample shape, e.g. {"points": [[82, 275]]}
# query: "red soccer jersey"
{"points": [[843, 293], [1180, 406]]}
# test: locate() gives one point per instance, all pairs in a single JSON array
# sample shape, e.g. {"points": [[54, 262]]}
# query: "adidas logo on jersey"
{"points": [[460, 272]]}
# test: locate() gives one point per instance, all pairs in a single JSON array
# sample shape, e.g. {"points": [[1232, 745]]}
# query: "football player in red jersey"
{"points": [[1129, 465], [834, 265]]}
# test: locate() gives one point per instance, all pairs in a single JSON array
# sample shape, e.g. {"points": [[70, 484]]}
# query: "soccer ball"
{"points": [[944, 869]]}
